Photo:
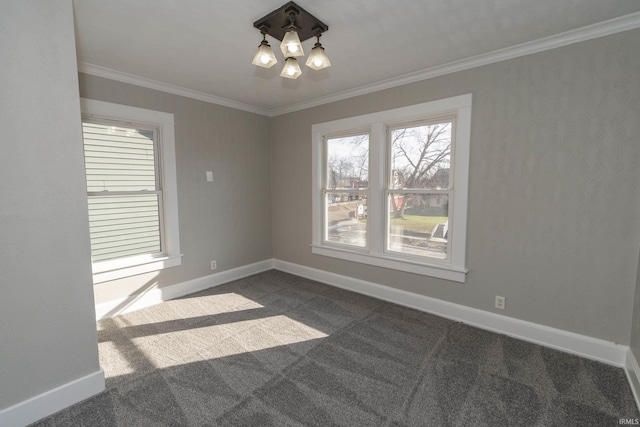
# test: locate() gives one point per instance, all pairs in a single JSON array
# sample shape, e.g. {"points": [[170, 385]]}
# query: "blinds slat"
{"points": [[135, 245], [117, 229], [106, 256], [127, 200], [112, 227], [119, 206], [124, 171], [103, 135], [148, 240], [97, 217], [117, 234], [143, 152], [99, 186]]}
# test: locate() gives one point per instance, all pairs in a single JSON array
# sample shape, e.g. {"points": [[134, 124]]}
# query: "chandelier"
{"points": [[292, 25]]}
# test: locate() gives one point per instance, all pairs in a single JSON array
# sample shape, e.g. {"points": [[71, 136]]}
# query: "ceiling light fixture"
{"points": [[317, 59], [264, 57], [292, 25], [291, 69], [291, 45]]}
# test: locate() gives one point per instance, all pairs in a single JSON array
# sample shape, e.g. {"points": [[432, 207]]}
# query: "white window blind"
{"points": [[123, 190]]}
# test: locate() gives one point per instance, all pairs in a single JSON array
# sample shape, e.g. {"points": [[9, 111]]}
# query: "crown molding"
{"points": [[120, 76], [600, 29]]}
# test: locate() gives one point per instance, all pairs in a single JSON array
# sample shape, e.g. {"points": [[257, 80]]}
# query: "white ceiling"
{"points": [[205, 47]]}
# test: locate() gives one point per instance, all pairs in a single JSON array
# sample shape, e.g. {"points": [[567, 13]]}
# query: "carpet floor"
{"points": [[275, 349]]}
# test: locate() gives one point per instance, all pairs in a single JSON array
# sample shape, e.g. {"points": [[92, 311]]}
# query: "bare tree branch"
{"points": [[419, 151]]}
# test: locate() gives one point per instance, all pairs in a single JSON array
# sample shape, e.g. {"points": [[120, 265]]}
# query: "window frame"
{"points": [[163, 125], [378, 125], [326, 190], [158, 189], [388, 182]]}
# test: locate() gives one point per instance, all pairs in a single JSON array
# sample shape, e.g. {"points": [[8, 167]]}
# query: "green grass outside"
{"points": [[418, 223]]}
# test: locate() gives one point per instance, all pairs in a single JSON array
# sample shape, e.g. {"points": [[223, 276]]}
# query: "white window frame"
{"points": [[325, 190], [454, 267], [170, 234]]}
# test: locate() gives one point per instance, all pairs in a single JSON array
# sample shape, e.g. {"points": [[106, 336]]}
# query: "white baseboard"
{"points": [[119, 306], [633, 375], [52, 401], [581, 345]]}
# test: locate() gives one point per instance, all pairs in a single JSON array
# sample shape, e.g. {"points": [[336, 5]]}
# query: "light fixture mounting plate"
{"points": [[277, 22]]}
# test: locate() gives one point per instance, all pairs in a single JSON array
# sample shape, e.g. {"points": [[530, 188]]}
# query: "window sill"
{"points": [[105, 272], [446, 272]]}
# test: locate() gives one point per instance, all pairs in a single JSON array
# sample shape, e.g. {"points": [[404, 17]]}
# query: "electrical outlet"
{"points": [[214, 264], [500, 302]]}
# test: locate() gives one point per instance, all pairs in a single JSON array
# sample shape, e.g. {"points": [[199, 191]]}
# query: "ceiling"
{"points": [[204, 48]]}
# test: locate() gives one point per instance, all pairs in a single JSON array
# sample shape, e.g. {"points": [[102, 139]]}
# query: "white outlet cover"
{"points": [[209, 176]]}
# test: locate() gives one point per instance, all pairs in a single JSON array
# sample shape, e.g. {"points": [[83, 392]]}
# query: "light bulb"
{"points": [[290, 44], [291, 69], [318, 60], [264, 56]]}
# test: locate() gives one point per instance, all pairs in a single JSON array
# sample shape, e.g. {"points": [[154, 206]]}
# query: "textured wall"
{"points": [[228, 220], [47, 319], [554, 202]]}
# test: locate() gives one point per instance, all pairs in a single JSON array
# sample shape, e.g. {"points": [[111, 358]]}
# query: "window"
{"points": [[346, 190], [131, 189], [419, 189], [390, 188]]}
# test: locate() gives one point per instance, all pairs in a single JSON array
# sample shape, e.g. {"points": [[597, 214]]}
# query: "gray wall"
{"points": [[554, 202], [228, 220], [553, 214], [47, 319]]}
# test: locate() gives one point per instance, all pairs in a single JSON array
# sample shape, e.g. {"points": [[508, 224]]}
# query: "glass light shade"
{"points": [[291, 69], [291, 45], [264, 57], [317, 59]]}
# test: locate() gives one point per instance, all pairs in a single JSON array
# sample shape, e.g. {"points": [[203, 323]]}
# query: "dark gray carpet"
{"points": [[278, 350]]}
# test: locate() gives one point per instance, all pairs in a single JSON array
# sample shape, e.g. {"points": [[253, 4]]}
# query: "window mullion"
{"points": [[318, 204], [377, 219]]}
